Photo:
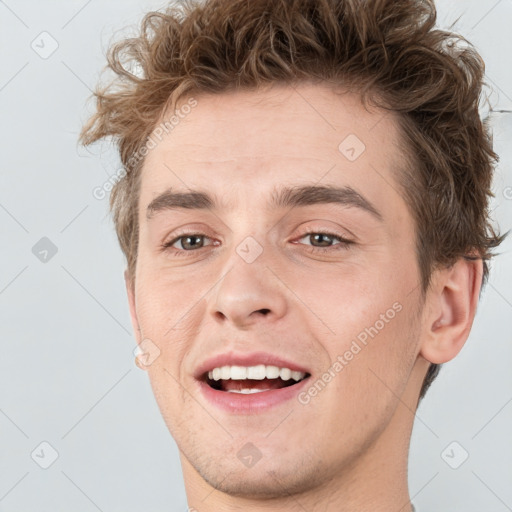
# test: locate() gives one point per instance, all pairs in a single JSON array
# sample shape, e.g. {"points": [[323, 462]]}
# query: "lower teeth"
{"points": [[246, 391]]}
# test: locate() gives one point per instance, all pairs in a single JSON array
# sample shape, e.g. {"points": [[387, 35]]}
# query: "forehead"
{"points": [[278, 118], [252, 140]]}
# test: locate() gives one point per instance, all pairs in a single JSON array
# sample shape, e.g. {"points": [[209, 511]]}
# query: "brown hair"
{"points": [[388, 51]]}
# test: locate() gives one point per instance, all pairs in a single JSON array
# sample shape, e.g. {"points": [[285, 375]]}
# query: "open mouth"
{"points": [[252, 379]]}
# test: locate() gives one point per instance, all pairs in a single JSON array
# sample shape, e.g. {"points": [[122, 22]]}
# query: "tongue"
{"points": [[229, 384]]}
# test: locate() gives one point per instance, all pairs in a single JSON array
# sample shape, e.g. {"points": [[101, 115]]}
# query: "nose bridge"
{"points": [[248, 290]]}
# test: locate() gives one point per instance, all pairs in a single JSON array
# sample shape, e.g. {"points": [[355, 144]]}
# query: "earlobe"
{"points": [[130, 291], [452, 307]]}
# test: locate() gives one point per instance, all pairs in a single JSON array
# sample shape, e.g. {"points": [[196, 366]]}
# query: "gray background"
{"points": [[67, 373]]}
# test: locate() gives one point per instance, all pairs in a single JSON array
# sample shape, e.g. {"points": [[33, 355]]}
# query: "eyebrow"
{"points": [[283, 197]]}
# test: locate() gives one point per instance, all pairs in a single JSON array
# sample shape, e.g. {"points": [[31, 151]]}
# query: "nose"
{"points": [[248, 293]]}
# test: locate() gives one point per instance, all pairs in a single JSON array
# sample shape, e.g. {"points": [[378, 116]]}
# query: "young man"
{"points": [[304, 216]]}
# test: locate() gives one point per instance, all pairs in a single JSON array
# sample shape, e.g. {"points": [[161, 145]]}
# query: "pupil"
{"points": [[193, 244], [320, 236]]}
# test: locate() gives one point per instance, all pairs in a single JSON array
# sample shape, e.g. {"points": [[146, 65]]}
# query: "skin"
{"points": [[347, 448]]}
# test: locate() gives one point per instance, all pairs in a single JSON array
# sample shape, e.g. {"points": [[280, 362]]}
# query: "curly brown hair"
{"points": [[387, 51]]}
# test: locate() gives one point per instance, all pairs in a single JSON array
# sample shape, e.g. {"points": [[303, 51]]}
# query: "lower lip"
{"points": [[253, 402]]}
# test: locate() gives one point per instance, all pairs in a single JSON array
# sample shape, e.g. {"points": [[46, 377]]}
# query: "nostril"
{"points": [[264, 311]]}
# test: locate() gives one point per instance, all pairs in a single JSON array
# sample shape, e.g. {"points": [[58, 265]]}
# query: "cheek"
{"points": [[368, 318], [346, 301], [378, 357], [370, 374], [166, 300], [167, 311]]}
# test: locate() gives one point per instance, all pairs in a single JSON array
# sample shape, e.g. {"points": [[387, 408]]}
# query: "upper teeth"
{"points": [[258, 372]]}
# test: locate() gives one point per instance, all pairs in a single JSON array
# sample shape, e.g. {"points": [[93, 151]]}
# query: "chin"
{"points": [[270, 477], [261, 484]]}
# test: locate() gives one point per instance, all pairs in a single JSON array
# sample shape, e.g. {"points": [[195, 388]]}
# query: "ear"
{"points": [[452, 298], [130, 290]]}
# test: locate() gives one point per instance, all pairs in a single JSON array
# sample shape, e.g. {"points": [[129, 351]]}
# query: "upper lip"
{"points": [[246, 359]]}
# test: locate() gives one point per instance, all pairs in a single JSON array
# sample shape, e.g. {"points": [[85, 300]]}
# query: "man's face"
{"points": [[261, 278]]}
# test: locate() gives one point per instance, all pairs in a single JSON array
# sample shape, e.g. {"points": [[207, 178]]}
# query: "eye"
{"points": [[320, 241], [326, 241], [186, 242]]}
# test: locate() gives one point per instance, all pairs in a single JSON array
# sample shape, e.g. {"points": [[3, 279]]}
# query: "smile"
{"points": [[250, 383], [252, 379]]}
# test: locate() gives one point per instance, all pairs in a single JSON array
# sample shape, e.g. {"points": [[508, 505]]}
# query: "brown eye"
{"points": [[323, 239], [187, 242], [191, 242]]}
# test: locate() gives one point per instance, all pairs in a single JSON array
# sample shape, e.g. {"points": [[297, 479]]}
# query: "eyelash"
{"points": [[343, 244]]}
